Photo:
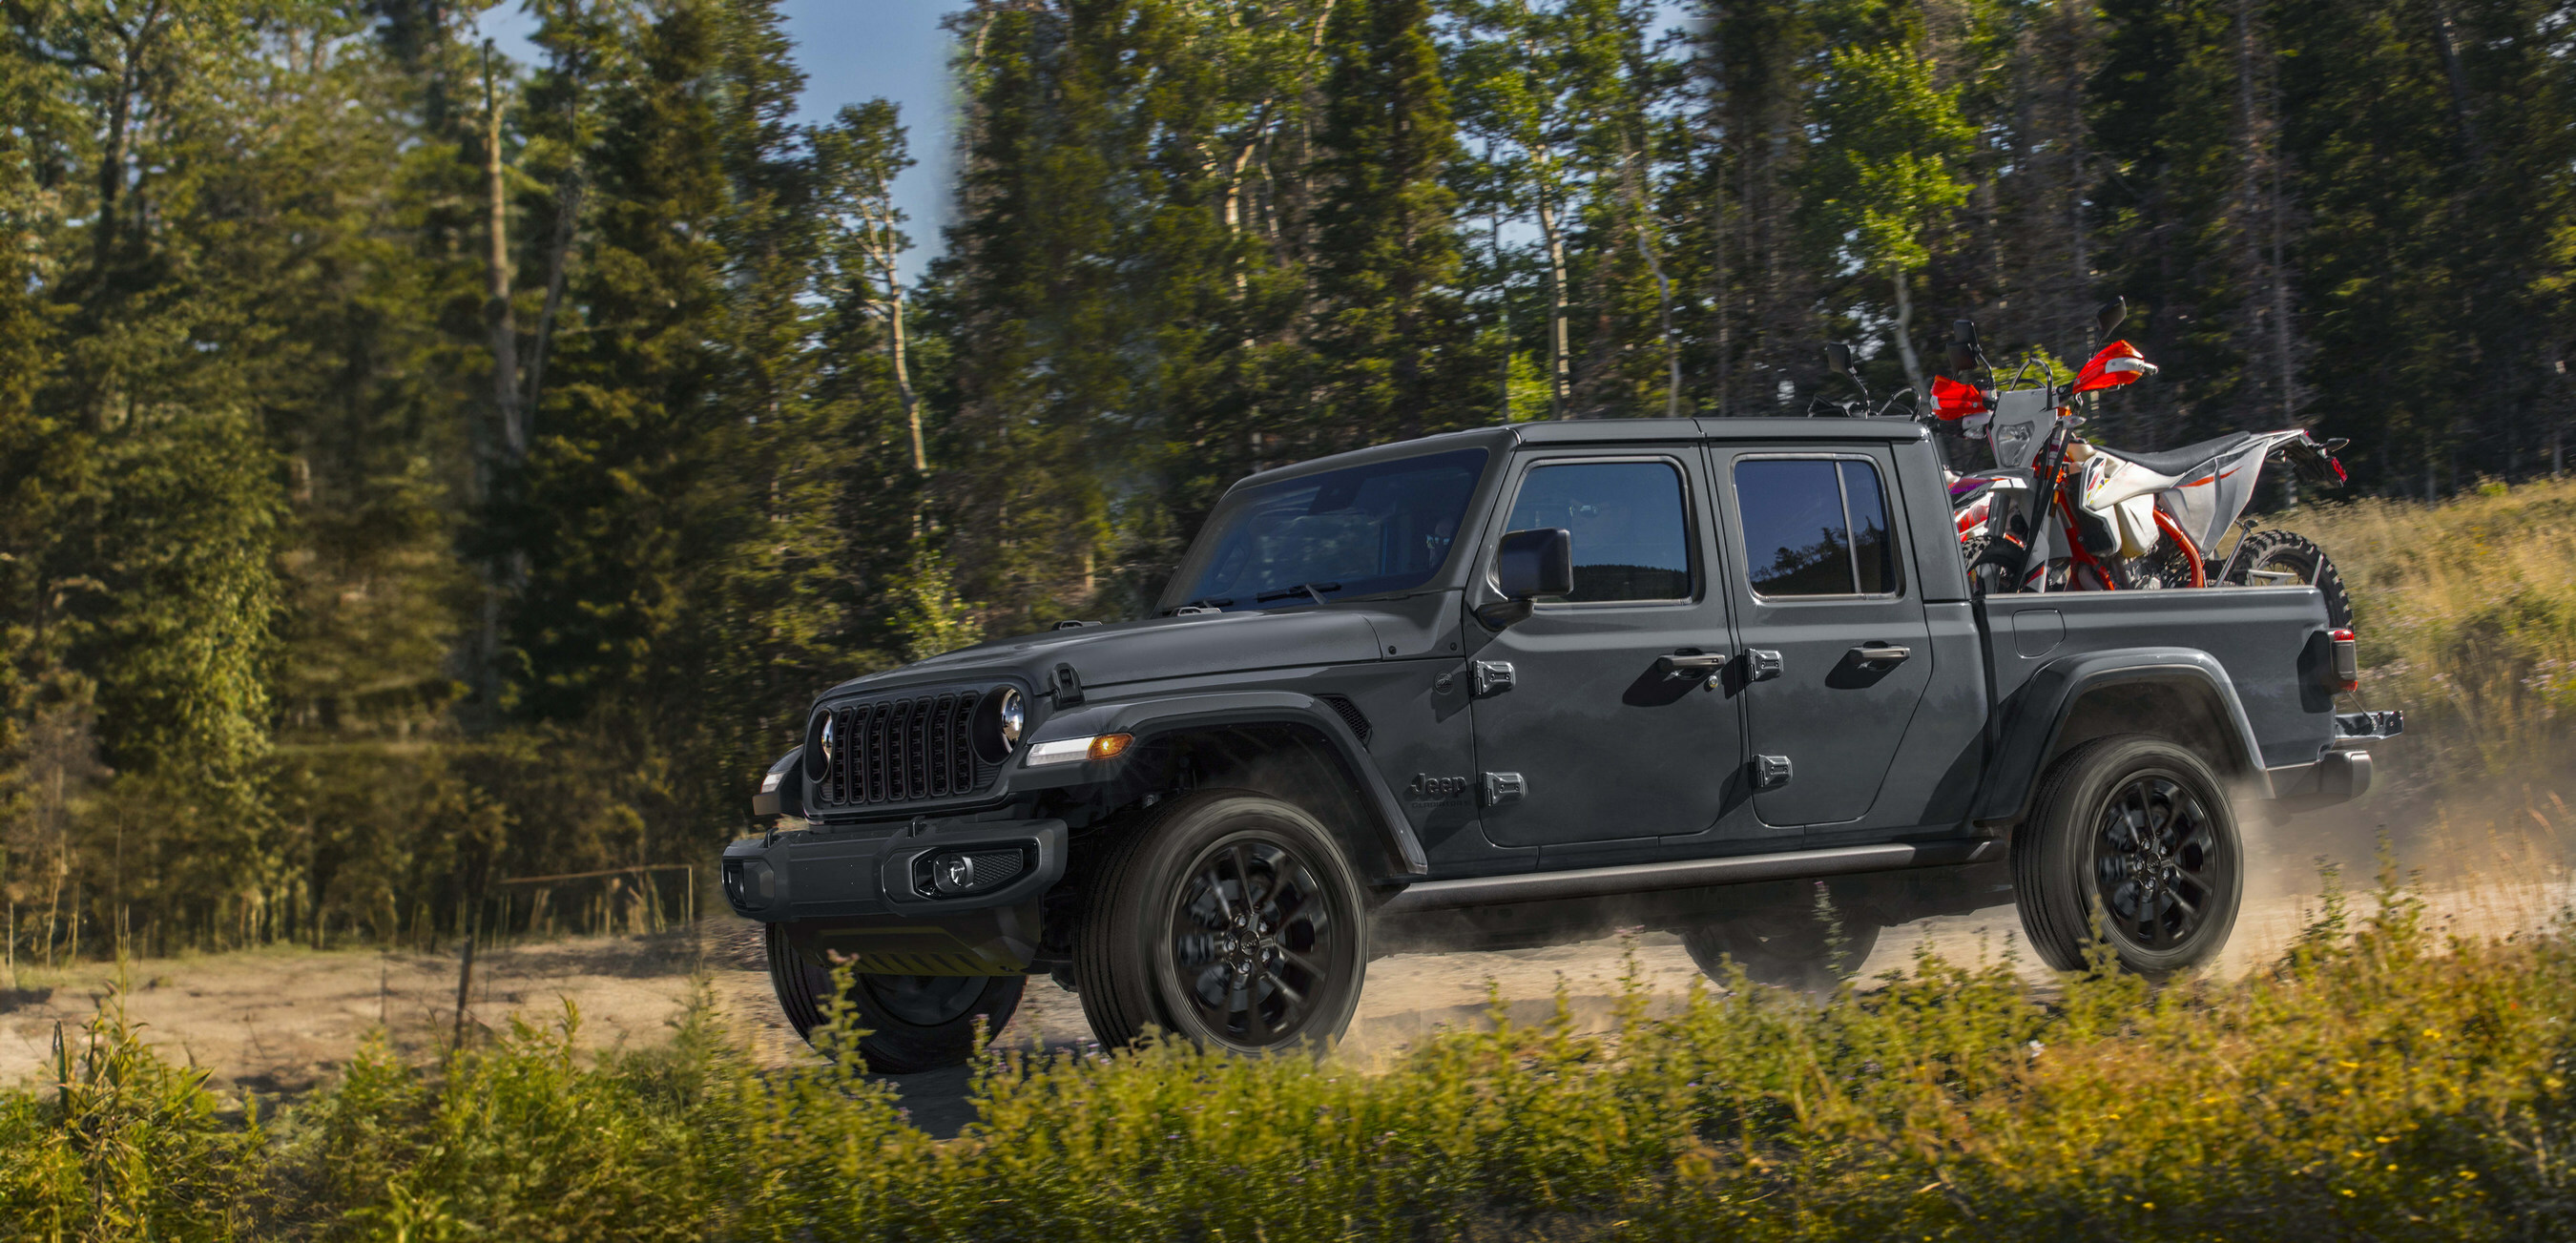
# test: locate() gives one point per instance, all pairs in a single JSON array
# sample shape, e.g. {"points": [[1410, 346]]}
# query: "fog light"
{"points": [[750, 883], [956, 872]]}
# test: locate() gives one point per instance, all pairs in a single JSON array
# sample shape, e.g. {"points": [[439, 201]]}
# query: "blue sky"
{"points": [[852, 50]]}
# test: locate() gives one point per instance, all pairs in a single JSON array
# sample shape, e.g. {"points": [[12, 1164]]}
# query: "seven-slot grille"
{"points": [[902, 750]]}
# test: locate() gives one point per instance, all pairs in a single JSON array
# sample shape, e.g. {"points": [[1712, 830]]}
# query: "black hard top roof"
{"points": [[1611, 431]]}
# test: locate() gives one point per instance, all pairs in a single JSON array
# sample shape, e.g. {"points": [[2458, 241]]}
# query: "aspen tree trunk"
{"points": [[1663, 285], [503, 324], [1559, 381], [1905, 333], [498, 315]]}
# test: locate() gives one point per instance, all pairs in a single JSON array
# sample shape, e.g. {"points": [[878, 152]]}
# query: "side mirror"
{"points": [[1964, 331], [1838, 358], [1529, 564], [1537, 562], [2111, 315]]}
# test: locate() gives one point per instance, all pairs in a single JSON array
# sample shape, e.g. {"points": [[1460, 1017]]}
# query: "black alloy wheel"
{"points": [[2132, 844], [913, 1022], [1251, 940], [1226, 918], [2156, 862]]}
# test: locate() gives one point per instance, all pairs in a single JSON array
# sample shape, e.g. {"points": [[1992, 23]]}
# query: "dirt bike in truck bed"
{"points": [[1497, 687]]}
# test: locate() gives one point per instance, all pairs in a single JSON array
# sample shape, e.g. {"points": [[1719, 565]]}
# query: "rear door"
{"points": [[1836, 650], [1606, 741]]}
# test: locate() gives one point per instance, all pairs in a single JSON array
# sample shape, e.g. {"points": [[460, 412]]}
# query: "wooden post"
{"points": [[465, 971]]}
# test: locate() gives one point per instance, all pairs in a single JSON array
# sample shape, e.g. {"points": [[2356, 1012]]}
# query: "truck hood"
{"points": [[1153, 648]]}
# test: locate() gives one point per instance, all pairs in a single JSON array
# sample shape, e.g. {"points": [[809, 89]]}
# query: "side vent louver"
{"points": [[1350, 714]]}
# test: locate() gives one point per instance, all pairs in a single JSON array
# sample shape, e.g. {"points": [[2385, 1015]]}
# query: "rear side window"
{"points": [[1816, 527], [1631, 538]]}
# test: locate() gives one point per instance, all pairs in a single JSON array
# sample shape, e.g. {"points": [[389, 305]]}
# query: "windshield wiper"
{"points": [[1316, 590], [1208, 604]]}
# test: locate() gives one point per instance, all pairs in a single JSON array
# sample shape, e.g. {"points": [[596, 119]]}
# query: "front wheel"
{"points": [[913, 1022], [2289, 559], [2133, 835], [1226, 918]]}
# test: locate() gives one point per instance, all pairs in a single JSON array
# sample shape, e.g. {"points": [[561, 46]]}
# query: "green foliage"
{"points": [[1887, 171], [2379, 1082], [124, 1145]]}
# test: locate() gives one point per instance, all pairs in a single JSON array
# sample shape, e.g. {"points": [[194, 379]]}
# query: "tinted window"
{"points": [[1386, 526], [1631, 541], [1816, 528]]}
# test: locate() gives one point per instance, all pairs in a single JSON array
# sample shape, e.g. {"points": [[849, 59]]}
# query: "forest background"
{"points": [[419, 469]]}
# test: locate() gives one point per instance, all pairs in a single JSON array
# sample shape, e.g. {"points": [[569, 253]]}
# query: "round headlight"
{"points": [[822, 740], [1000, 717], [1014, 716]]}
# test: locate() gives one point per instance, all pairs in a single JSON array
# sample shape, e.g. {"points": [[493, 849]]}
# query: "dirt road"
{"points": [[284, 1020]]}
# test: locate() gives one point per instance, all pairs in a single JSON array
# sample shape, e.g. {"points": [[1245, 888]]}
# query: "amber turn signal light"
{"points": [[1110, 746]]}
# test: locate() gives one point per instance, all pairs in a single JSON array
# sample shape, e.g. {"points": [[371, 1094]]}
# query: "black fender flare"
{"points": [[1148, 719], [2034, 719]]}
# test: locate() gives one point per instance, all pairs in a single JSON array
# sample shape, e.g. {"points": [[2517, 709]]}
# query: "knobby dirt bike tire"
{"points": [[2294, 553]]}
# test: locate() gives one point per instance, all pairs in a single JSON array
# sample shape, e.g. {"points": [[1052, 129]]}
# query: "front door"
{"points": [[1837, 652], [1607, 740]]}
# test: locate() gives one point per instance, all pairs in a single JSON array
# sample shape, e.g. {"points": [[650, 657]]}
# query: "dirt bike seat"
{"points": [[2181, 462]]}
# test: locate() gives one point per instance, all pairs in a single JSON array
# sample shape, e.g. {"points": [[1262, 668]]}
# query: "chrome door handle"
{"points": [[1881, 653], [1691, 662]]}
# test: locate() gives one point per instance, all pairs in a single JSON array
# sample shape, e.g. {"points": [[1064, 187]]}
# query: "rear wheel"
{"points": [[2138, 830], [1788, 947], [914, 1022], [2289, 559], [1226, 918]]}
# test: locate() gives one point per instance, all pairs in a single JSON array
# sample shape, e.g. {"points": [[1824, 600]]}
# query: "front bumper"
{"points": [[857, 895], [873, 872]]}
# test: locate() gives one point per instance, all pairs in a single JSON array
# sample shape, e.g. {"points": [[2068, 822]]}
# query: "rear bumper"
{"points": [[877, 873]]}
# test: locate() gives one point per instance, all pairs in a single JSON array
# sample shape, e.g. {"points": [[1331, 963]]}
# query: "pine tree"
{"points": [[1393, 361]]}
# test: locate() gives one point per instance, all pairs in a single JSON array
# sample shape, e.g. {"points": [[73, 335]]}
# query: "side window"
{"points": [[1816, 527], [1631, 539]]}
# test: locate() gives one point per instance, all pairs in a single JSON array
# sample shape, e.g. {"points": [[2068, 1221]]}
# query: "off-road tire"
{"points": [[1156, 945], [2085, 849], [913, 1023], [1785, 947], [2293, 553]]}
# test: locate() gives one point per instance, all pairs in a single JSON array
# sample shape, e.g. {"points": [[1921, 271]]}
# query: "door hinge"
{"points": [[1761, 665], [1501, 788], [1770, 772], [1493, 677]]}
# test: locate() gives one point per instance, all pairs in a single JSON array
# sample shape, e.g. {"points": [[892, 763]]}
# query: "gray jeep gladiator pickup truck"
{"points": [[1496, 687]]}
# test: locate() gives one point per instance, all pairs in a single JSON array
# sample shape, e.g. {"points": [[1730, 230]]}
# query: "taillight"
{"points": [[2347, 661]]}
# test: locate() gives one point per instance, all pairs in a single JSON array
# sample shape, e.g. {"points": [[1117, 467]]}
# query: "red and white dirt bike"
{"points": [[2059, 513]]}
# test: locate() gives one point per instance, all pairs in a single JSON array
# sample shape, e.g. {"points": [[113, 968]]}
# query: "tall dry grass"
{"points": [[2466, 613]]}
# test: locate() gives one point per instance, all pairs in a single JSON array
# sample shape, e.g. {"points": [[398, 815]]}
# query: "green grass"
{"points": [[2466, 612], [2383, 1082]]}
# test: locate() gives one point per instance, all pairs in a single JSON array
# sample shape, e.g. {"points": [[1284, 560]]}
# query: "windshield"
{"points": [[1386, 526]]}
